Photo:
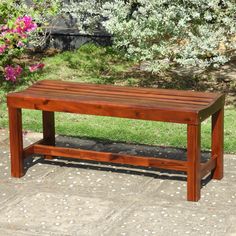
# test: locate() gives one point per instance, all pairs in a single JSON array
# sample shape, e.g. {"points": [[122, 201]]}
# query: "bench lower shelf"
{"points": [[168, 164]]}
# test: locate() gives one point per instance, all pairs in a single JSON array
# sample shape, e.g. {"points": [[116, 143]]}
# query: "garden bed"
{"points": [[102, 65]]}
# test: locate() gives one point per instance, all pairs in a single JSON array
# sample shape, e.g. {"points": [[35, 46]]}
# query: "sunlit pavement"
{"points": [[64, 197]]}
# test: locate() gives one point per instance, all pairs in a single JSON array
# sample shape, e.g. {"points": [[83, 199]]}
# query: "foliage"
{"points": [[21, 25], [13, 40], [93, 64], [89, 63], [42, 12], [164, 33]]}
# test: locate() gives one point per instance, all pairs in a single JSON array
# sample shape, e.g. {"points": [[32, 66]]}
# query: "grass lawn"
{"points": [[102, 65]]}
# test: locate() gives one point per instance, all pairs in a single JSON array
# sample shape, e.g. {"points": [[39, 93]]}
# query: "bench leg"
{"points": [[193, 159], [217, 145], [16, 142], [48, 129]]}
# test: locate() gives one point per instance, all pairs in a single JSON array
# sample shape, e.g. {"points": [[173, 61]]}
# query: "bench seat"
{"points": [[186, 107]]}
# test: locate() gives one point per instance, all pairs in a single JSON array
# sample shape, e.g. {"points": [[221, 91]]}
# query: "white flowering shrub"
{"points": [[163, 33]]}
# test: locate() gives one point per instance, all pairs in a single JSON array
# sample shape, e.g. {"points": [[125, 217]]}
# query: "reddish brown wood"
{"points": [[128, 101], [218, 143], [16, 142], [178, 106], [185, 107], [95, 107], [193, 158], [212, 108], [122, 89], [207, 167], [48, 129], [30, 149], [108, 94], [110, 157]]}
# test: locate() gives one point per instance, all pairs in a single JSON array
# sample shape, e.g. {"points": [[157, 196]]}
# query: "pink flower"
{"points": [[20, 44], [25, 24], [2, 49], [36, 67], [12, 73], [3, 28]]}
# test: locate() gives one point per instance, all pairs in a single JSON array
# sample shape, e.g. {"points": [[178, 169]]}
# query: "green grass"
{"points": [[101, 65], [90, 63], [127, 130]]}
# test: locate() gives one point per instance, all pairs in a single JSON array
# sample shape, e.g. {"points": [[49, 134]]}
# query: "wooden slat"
{"points": [[110, 157], [170, 96], [90, 99], [127, 89], [175, 115], [147, 99], [109, 99], [207, 167], [82, 99]]}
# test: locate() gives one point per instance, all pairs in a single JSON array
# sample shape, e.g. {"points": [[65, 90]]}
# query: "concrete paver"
{"points": [[3, 135], [159, 218], [70, 198]]}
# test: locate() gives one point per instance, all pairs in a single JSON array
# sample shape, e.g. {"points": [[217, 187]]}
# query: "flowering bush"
{"points": [[13, 40], [12, 73], [20, 25], [163, 33], [24, 25], [36, 67]]}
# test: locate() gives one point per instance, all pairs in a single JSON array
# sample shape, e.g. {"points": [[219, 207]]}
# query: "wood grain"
{"points": [[123, 89], [217, 145], [178, 106], [48, 129], [207, 167], [16, 142], [193, 158], [110, 157]]}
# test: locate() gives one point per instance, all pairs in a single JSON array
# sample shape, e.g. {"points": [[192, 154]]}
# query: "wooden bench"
{"points": [[185, 107]]}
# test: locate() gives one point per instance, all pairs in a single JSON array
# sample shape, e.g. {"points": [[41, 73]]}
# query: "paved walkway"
{"points": [[68, 198]]}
